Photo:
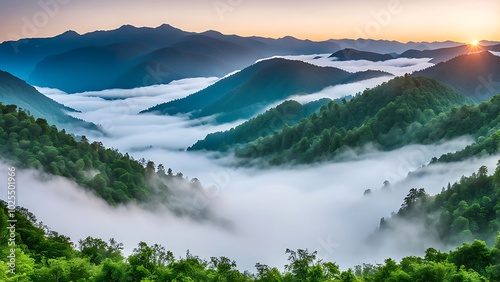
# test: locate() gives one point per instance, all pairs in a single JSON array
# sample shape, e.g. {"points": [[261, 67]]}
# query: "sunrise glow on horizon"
{"points": [[401, 20]]}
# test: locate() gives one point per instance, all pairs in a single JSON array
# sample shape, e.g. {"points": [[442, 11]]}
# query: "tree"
{"points": [[98, 250], [474, 256], [348, 276], [112, 271], [24, 266], [413, 196], [267, 274], [145, 259], [300, 261]]}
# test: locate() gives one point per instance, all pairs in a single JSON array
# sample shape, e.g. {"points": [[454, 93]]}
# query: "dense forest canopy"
{"points": [[117, 178]]}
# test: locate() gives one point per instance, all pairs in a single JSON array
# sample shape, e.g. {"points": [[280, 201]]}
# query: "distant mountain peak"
{"points": [[69, 33], [169, 28], [212, 32], [127, 26], [348, 54]]}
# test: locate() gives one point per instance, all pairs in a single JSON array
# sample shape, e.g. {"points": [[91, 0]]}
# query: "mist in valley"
{"points": [[254, 214]]}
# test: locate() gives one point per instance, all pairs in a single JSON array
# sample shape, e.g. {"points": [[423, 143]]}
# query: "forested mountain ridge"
{"points": [[243, 94], [482, 122], [382, 115], [467, 210], [463, 212], [117, 178], [287, 113]]}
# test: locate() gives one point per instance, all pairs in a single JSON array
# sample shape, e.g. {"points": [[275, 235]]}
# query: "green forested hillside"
{"points": [[44, 255], [287, 113], [482, 122], [466, 210], [463, 212], [116, 177], [385, 115]]}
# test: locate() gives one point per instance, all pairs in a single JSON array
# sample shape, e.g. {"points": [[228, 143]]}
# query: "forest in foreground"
{"points": [[42, 254]]}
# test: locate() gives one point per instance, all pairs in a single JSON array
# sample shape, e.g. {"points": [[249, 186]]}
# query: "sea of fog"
{"points": [[264, 211]]}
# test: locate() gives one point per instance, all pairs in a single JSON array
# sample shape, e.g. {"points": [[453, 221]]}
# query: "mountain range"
{"points": [[130, 57]]}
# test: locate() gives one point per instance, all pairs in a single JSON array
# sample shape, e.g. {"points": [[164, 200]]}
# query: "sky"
{"points": [[401, 20]]}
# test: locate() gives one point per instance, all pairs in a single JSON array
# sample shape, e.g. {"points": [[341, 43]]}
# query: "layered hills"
{"points": [[244, 93], [384, 115], [475, 74]]}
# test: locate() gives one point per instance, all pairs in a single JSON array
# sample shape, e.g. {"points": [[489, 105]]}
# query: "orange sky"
{"points": [[402, 20]]}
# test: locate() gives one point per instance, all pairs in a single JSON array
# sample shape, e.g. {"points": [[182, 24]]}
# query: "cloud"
{"points": [[339, 91], [495, 53], [318, 207], [129, 131], [397, 67]]}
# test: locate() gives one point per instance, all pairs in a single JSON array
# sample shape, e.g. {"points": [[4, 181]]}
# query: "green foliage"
{"points": [[287, 113], [97, 260], [116, 177], [479, 121], [467, 210], [389, 116], [97, 250]]}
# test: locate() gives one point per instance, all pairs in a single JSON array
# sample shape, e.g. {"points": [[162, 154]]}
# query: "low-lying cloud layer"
{"points": [[397, 67], [319, 207]]}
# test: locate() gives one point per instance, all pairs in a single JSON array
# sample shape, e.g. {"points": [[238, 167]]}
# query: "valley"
{"points": [[172, 154]]}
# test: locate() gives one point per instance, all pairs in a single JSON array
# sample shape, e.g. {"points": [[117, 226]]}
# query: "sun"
{"points": [[474, 47]]}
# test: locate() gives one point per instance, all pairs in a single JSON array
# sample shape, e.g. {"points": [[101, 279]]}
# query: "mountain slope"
{"points": [[16, 91], [441, 54], [382, 115], [244, 93], [465, 211], [287, 113], [475, 74], [348, 54], [30, 143], [86, 69], [28, 57], [131, 64]]}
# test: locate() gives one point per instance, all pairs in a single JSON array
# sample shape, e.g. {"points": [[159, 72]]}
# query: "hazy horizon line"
{"points": [[241, 35]]}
